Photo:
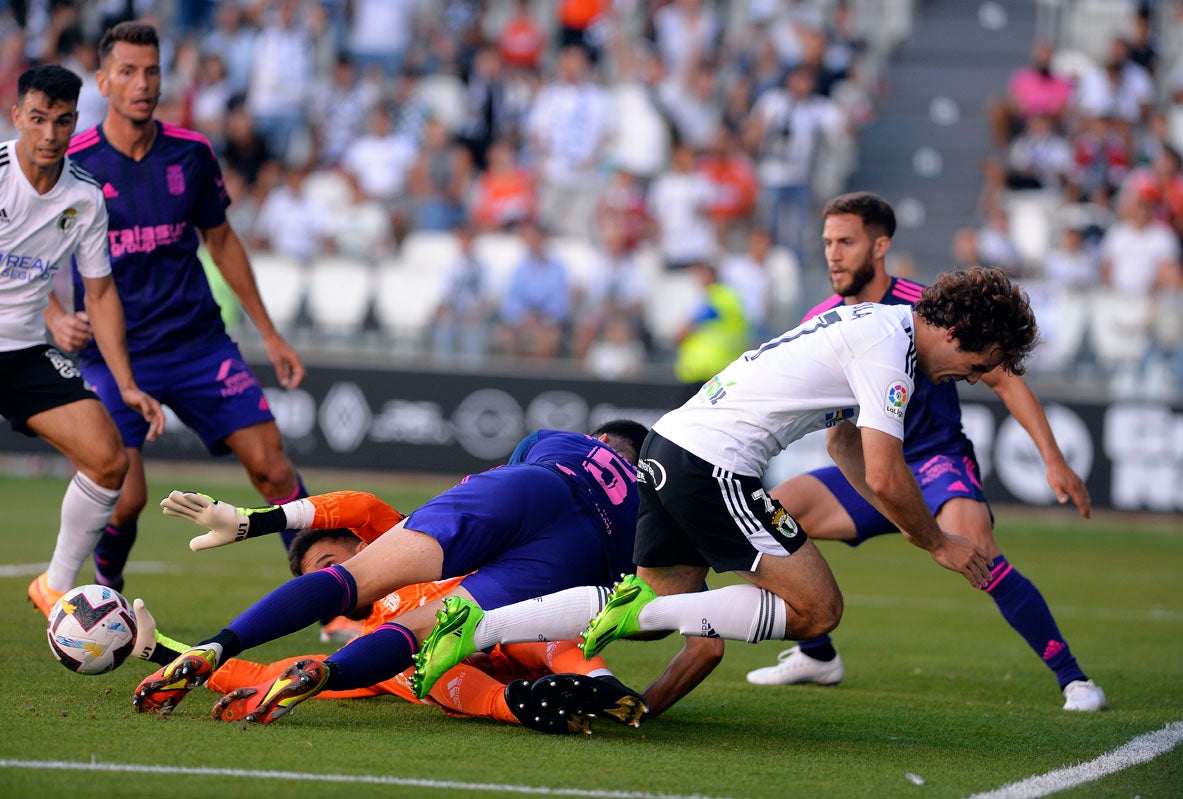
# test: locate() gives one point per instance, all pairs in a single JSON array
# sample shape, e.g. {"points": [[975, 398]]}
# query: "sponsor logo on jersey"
{"points": [[65, 367], [839, 416], [895, 400], [144, 239], [175, 177], [109, 191], [66, 220], [651, 471], [26, 267]]}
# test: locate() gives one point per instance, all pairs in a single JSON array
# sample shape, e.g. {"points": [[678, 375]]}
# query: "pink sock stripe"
{"points": [[339, 574], [177, 132], [401, 629], [997, 578]]}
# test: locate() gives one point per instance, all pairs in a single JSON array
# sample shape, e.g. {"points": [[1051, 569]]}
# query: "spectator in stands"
{"points": [[1119, 88], [380, 162], [338, 110], [488, 112], [640, 147], [210, 98], [1040, 158], [362, 228], [581, 25], [568, 126], [521, 41], [1072, 265], [1101, 155], [733, 176], [1033, 90], [1163, 363], [686, 32], [504, 195], [233, 39], [787, 127], [461, 330], [677, 204], [747, 273], [614, 290], [536, 304], [690, 103], [380, 32], [1139, 254], [282, 71], [1142, 43], [245, 151], [440, 180], [623, 208], [291, 222], [718, 334], [617, 352], [995, 246]]}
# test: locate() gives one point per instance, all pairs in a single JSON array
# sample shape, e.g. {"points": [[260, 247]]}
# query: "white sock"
{"points": [[299, 514], [561, 616], [86, 509], [736, 612]]}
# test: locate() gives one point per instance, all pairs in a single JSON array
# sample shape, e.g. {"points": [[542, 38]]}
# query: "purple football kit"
{"points": [[179, 348]]}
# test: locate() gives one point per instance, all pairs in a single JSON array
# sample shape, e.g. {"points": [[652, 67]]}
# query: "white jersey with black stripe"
{"points": [[38, 234], [852, 363]]}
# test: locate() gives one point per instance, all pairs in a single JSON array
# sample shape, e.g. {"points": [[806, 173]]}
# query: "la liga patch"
{"points": [[896, 400]]}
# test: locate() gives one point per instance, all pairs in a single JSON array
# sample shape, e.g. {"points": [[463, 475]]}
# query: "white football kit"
{"points": [[38, 234], [853, 363]]}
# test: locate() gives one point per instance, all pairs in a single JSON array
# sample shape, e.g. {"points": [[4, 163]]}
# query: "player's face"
{"points": [[44, 128], [950, 362], [130, 80], [326, 553], [850, 253]]}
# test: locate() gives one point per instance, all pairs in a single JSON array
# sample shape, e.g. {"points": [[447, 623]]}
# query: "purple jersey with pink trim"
{"points": [[156, 206], [932, 425]]}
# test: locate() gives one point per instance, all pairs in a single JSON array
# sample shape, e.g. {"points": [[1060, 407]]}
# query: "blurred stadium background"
{"points": [[409, 174]]}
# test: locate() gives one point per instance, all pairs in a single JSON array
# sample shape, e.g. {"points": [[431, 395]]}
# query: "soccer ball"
{"points": [[92, 629]]}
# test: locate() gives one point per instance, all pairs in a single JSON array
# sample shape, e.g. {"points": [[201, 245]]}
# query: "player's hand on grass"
{"points": [[70, 331], [226, 524], [147, 406], [959, 554], [288, 366], [1067, 485]]}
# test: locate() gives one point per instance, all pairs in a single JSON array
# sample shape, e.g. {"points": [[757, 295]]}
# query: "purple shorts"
{"points": [[213, 392], [941, 478], [521, 532]]}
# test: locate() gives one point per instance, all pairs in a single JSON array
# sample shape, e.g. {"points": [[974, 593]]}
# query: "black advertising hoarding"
{"points": [[1129, 452]]}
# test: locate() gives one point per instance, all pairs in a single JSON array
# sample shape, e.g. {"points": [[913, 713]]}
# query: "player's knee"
{"points": [[109, 469], [273, 478], [823, 616]]}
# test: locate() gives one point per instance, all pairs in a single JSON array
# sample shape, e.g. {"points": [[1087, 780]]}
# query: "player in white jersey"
{"points": [[702, 504], [50, 210]]}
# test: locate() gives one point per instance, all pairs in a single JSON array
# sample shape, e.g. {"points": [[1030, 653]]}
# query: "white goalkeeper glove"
{"points": [[227, 524], [145, 630]]}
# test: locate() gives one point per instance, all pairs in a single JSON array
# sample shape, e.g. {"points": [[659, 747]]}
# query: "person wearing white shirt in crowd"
{"points": [[678, 202], [1139, 252], [380, 162], [291, 222], [1119, 88], [686, 30], [747, 273], [281, 78], [568, 126], [642, 146]]}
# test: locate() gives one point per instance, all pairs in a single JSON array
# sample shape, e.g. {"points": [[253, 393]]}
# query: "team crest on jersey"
{"points": [[66, 220], [175, 176], [896, 399]]}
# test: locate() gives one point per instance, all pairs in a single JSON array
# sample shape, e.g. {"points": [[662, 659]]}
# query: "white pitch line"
{"points": [[33, 569], [366, 779], [1139, 750]]}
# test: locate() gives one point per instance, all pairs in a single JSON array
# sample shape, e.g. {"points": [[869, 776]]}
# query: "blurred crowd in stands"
{"points": [[1083, 198], [630, 182]]}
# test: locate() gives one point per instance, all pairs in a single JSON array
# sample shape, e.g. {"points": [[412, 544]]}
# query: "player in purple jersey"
{"points": [[857, 235], [561, 515], [165, 196]]}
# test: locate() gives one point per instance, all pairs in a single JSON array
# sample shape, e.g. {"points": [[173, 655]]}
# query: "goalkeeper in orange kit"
{"points": [[527, 683]]}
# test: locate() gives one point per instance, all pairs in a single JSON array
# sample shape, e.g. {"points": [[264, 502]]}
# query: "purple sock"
{"points": [[288, 536], [1024, 608], [111, 553], [316, 596], [370, 659], [820, 648]]}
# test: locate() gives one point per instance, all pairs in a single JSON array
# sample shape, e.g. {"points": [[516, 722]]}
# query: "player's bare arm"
{"points": [[889, 479], [1027, 410], [106, 315], [231, 258], [71, 331]]}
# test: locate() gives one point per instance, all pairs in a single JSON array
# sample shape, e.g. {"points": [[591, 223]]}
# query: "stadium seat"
{"points": [[282, 282], [405, 299], [429, 250], [1030, 214], [672, 303], [501, 252], [785, 273], [328, 187], [443, 96], [579, 256], [1072, 64], [1063, 316], [339, 292], [1119, 328]]}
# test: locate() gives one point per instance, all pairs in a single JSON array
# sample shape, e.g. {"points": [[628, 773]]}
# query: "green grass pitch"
{"points": [[937, 685]]}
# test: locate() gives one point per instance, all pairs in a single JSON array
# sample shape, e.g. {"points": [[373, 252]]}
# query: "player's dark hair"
{"points": [[58, 84], [876, 212], [306, 538], [138, 33], [982, 308], [625, 436]]}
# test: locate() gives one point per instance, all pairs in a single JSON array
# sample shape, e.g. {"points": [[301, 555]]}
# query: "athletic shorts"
{"points": [[696, 514], [213, 392], [941, 478], [519, 530], [35, 380]]}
